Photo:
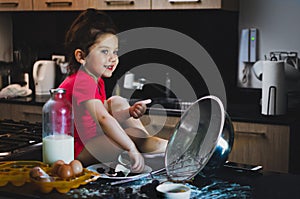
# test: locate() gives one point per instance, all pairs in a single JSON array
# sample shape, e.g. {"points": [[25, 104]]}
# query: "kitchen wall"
{"points": [[277, 22], [40, 34], [6, 42], [278, 30]]}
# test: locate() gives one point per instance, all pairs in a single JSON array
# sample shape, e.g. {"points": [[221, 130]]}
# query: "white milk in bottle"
{"points": [[58, 140]]}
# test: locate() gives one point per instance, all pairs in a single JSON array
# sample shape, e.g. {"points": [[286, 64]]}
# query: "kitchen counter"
{"points": [[30, 100], [252, 113], [225, 183], [238, 112]]}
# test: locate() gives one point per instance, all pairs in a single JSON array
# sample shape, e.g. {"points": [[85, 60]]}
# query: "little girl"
{"points": [[103, 128]]}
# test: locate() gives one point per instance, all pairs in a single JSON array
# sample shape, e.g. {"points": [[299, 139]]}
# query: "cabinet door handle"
{"points": [[9, 4], [58, 3], [262, 134], [184, 1], [119, 2], [31, 113]]}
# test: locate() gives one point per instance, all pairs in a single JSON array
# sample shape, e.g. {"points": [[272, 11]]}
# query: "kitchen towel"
{"points": [[15, 90], [6, 42]]}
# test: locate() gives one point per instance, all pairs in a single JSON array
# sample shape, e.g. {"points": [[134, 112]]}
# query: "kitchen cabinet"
{"points": [[122, 4], [69, 5], [61, 5], [18, 112], [261, 144], [15, 5], [192, 4]]}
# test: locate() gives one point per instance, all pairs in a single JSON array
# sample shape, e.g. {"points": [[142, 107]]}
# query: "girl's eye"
{"points": [[115, 52], [104, 52]]}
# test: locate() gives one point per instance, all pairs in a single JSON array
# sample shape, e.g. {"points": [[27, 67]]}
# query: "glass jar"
{"points": [[58, 135]]}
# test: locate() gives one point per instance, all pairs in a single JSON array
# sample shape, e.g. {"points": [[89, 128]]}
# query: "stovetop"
{"points": [[18, 136]]}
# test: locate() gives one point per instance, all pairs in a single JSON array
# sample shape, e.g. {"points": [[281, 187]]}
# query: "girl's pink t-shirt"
{"points": [[81, 87]]}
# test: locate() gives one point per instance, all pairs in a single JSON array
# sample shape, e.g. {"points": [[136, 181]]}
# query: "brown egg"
{"points": [[65, 171], [37, 172], [56, 165], [77, 167]]}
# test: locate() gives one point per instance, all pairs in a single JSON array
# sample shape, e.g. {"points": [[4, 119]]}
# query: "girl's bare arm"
{"points": [[114, 131]]}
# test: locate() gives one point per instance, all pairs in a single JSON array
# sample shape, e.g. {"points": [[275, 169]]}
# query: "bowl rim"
{"points": [[166, 187]]}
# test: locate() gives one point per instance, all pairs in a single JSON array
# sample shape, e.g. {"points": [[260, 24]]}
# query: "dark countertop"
{"points": [[30, 100], [237, 112], [225, 183], [228, 182], [252, 113], [244, 113]]}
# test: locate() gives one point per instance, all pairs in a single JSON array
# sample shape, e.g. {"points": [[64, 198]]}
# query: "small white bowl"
{"points": [[173, 191]]}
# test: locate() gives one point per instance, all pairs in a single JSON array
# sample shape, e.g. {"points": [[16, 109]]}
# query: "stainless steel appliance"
{"points": [[19, 139]]}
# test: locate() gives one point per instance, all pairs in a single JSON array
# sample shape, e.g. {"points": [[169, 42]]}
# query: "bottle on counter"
{"points": [[168, 85], [58, 134]]}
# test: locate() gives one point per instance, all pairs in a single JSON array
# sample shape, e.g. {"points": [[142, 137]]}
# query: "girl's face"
{"points": [[103, 59]]}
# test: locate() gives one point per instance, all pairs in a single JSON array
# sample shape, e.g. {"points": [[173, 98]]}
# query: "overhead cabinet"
{"points": [[62, 5], [121, 4], [69, 5], [195, 4], [15, 5]]}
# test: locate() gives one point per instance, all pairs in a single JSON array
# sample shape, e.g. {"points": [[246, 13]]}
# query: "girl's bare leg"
{"points": [[149, 144], [92, 155], [115, 104], [136, 130]]}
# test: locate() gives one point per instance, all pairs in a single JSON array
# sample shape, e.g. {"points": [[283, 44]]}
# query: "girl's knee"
{"points": [[116, 103]]}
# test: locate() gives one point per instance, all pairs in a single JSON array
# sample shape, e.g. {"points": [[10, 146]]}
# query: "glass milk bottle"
{"points": [[58, 140]]}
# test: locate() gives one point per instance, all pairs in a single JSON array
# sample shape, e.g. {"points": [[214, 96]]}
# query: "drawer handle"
{"points": [[31, 113], [9, 4], [119, 2], [184, 1], [58, 3], [262, 134]]}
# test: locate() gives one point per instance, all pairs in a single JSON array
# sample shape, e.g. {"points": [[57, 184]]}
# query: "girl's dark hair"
{"points": [[84, 31]]}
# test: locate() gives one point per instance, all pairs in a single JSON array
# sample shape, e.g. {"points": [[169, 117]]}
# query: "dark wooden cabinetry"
{"points": [[203, 4], [18, 112], [62, 5], [254, 143], [16, 5], [261, 144], [68, 5]]}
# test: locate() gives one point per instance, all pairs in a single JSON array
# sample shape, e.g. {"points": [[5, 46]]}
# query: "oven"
{"points": [[20, 140]]}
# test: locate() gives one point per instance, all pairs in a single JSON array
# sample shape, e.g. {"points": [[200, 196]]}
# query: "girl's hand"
{"points": [[137, 159], [139, 108]]}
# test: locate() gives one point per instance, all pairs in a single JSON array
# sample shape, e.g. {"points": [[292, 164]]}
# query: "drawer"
{"points": [[27, 113], [261, 144]]}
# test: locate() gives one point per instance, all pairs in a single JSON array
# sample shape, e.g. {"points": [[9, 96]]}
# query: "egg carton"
{"points": [[64, 185], [17, 172]]}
